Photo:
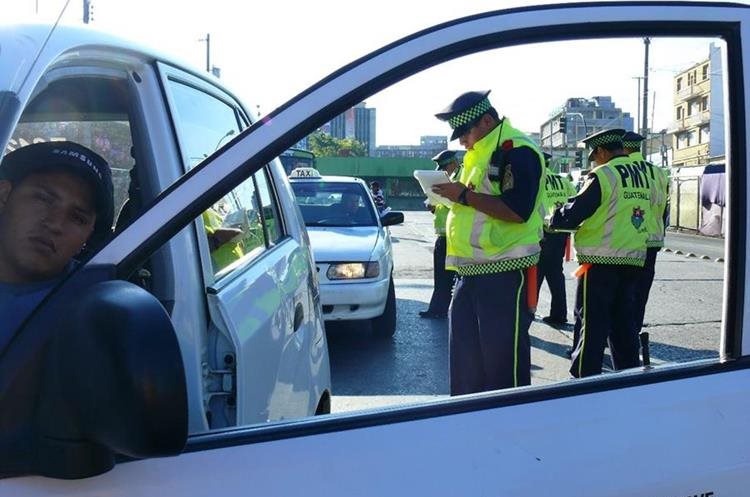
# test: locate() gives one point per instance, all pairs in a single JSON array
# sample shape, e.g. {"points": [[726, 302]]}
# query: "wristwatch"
{"points": [[462, 197]]}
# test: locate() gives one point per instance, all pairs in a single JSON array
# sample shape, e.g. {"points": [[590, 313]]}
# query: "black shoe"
{"points": [[431, 315], [551, 320]]}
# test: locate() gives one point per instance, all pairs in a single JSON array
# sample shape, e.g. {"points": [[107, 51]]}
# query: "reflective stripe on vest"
{"points": [[481, 244], [616, 233]]}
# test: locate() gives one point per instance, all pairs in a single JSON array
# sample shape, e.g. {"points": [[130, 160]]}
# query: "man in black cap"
{"points": [[557, 190], [656, 222], [493, 232], [55, 198], [610, 241], [443, 279]]}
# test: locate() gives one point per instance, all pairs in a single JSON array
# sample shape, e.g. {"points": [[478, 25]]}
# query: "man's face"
{"points": [[477, 132], [351, 202], [45, 219]]}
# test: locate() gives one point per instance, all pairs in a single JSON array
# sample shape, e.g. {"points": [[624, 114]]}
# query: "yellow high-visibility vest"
{"points": [[481, 244]]}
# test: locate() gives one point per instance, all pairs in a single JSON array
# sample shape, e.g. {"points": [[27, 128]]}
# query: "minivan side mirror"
{"points": [[391, 218], [112, 382]]}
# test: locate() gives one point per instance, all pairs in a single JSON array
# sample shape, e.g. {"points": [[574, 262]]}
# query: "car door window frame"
{"points": [[267, 141]]}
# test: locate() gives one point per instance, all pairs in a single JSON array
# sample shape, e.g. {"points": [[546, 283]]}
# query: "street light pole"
{"points": [[644, 127], [207, 39]]}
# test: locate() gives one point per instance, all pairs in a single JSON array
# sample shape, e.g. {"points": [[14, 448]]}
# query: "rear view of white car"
{"points": [[352, 248]]}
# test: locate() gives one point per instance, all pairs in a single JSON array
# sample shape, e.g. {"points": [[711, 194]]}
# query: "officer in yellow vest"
{"points": [[493, 232], [443, 278], [610, 213], [655, 223], [557, 190]]}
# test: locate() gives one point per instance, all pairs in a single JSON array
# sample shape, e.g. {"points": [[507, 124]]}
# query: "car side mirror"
{"points": [[391, 218], [112, 382]]}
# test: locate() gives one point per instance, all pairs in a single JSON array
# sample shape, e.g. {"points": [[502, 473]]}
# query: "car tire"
{"points": [[385, 325]]}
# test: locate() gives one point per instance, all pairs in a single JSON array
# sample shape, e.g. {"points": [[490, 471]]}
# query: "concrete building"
{"points": [[583, 117], [357, 123], [698, 128], [428, 147]]}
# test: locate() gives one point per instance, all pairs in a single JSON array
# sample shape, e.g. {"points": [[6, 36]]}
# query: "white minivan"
{"points": [[247, 321]]}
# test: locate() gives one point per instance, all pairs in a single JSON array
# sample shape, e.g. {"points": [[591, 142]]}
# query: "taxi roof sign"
{"points": [[305, 172]]}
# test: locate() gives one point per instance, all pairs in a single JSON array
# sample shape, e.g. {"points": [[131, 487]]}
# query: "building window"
{"points": [[679, 113], [705, 134], [705, 72], [704, 103], [679, 84], [681, 141]]}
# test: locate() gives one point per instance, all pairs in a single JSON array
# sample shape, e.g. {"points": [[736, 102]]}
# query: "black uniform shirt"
{"points": [[527, 172], [580, 207]]}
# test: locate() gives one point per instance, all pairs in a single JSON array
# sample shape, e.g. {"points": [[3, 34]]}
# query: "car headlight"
{"points": [[353, 270]]}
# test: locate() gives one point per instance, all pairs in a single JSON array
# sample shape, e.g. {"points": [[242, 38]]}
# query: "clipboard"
{"points": [[427, 179]]}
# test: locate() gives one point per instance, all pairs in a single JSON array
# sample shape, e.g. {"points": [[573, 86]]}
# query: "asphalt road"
{"points": [[683, 318]]}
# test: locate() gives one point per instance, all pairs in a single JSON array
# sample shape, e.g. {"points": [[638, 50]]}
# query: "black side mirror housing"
{"points": [[391, 218], [104, 376]]}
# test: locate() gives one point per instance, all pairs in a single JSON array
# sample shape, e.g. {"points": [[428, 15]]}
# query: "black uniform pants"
{"points": [[443, 279], [643, 285], [551, 269], [489, 333], [606, 310]]}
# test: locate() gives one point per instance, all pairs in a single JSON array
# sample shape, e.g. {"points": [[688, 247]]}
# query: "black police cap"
{"points": [[464, 111], [603, 137], [632, 140], [444, 158]]}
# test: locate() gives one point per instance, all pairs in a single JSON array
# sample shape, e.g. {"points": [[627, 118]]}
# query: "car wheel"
{"points": [[385, 324]]}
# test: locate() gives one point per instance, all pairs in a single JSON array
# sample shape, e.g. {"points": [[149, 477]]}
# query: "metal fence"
{"points": [[685, 203]]}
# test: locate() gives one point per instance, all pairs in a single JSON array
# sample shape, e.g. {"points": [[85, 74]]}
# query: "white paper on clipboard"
{"points": [[427, 179]]}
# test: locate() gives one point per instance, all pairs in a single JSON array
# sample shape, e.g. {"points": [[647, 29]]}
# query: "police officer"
{"points": [[610, 242], [493, 232], [557, 190], [655, 223], [443, 278]]}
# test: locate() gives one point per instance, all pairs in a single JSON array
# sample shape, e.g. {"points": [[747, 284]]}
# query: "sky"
{"points": [[268, 51]]}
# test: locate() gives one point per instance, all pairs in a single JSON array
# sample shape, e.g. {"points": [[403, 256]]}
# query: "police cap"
{"points": [[444, 158], [465, 111], [632, 140], [603, 137]]}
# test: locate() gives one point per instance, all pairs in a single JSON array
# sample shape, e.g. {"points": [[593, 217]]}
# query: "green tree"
{"points": [[324, 145]]}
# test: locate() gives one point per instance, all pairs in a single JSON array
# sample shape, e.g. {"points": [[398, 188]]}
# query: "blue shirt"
{"points": [[18, 301]]}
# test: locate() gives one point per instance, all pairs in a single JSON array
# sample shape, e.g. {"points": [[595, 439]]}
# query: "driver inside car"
{"points": [[56, 199]]}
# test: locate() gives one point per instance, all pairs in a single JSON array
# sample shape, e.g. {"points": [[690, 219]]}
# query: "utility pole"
{"points": [[644, 126], [207, 39], [638, 99]]}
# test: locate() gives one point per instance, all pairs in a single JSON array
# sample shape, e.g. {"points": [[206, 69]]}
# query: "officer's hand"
{"points": [[451, 191]]}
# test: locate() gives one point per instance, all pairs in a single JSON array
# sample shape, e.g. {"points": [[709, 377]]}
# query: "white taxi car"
{"points": [[351, 246]]}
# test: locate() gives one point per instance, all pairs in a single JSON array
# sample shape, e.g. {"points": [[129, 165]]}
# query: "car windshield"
{"points": [[334, 204]]}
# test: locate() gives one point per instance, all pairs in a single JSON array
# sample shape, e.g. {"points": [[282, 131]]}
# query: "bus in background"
{"points": [[294, 158]]}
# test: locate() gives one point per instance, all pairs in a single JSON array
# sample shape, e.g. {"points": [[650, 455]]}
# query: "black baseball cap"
{"points": [[71, 157]]}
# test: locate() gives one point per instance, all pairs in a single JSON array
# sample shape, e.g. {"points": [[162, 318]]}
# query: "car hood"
{"points": [[343, 244]]}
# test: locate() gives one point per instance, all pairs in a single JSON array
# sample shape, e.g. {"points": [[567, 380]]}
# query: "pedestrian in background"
{"points": [[377, 196], [493, 232], [557, 190], [443, 278], [655, 223], [610, 213]]}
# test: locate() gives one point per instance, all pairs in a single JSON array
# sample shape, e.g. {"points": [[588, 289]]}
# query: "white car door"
{"points": [[265, 336], [674, 430]]}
